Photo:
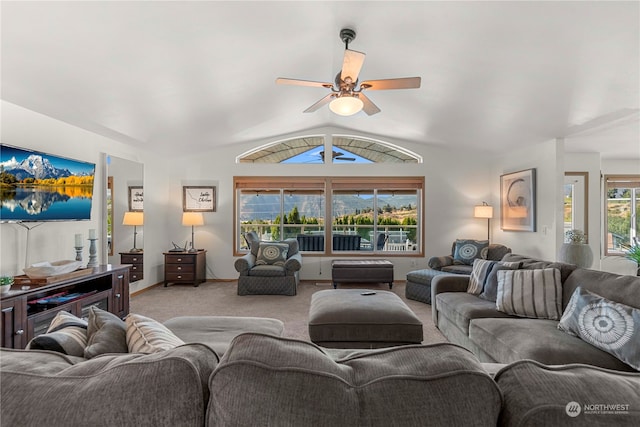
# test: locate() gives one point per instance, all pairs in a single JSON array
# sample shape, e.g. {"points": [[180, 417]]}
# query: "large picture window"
{"points": [[367, 215], [622, 209]]}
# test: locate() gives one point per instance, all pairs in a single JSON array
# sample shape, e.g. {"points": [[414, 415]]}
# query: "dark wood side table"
{"points": [[185, 267], [135, 259]]}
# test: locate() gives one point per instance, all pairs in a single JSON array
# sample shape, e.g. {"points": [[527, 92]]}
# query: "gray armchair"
{"points": [[259, 277]]}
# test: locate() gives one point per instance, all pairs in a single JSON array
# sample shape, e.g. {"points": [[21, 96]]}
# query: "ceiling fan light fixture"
{"points": [[346, 105]]}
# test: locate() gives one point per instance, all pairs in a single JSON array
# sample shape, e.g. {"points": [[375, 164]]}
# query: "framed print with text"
{"points": [[136, 199], [199, 199]]}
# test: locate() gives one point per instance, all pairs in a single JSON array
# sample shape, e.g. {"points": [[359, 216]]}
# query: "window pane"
{"points": [[568, 209], [618, 218], [353, 219], [398, 220], [304, 214], [259, 211]]}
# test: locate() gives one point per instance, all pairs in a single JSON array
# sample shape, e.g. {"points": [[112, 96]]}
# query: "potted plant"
{"points": [[5, 283], [633, 253], [575, 250]]}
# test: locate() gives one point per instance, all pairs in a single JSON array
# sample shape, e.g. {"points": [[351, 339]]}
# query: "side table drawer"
{"points": [[130, 258], [179, 268], [178, 277], [178, 259]]}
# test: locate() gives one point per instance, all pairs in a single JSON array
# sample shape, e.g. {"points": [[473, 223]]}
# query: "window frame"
{"points": [[328, 184]]}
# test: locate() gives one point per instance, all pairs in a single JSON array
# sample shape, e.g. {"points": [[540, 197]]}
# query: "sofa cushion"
{"points": [[509, 340], [479, 273], [145, 335], [272, 253], [66, 334], [610, 326], [162, 389], [538, 395], [530, 293], [466, 251], [106, 333], [490, 289], [461, 308], [614, 287], [281, 381], [36, 362]]}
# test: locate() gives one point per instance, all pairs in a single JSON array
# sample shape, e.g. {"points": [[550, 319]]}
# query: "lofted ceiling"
{"points": [[495, 75]]}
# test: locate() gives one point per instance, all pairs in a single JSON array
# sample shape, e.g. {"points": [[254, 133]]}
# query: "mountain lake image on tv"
{"points": [[36, 186]]}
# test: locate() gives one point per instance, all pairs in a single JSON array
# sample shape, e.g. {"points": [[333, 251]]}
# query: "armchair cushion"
{"points": [[272, 253], [466, 251]]}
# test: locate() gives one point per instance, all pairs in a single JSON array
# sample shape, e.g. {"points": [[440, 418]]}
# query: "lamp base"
{"points": [[135, 250], [192, 250]]}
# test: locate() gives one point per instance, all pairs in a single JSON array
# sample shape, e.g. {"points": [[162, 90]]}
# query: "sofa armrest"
{"points": [[446, 283], [293, 264], [245, 263], [437, 262]]}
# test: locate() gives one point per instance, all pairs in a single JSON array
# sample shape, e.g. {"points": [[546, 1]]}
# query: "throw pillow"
{"points": [[481, 269], [272, 253], [466, 251], [490, 290], [106, 333], [605, 324], [66, 334], [145, 335], [530, 293]]}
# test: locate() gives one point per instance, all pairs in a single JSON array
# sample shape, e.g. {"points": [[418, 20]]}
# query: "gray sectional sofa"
{"points": [[494, 336], [267, 380]]}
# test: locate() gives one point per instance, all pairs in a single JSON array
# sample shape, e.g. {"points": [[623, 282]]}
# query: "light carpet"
{"points": [[221, 299]]}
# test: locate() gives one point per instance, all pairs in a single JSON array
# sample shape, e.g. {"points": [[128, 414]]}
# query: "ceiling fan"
{"points": [[346, 97], [336, 155]]}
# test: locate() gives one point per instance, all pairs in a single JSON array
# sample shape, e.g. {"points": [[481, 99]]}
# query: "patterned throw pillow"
{"points": [[466, 251], [66, 334], [605, 324], [106, 333], [272, 253], [490, 290], [145, 335], [530, 293], [479, 274]]}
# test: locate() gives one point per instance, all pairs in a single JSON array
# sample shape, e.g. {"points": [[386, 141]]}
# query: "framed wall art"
{"points": [[199, 199], [518, 201], [136, 199]]}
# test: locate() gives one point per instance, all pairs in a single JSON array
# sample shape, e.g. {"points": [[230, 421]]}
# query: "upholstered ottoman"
{"points": [[418, 285], [356, 318], [217, 332], [362, 271]]}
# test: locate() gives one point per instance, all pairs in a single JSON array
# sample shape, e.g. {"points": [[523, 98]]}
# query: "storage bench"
{"points": [[362, 271]]}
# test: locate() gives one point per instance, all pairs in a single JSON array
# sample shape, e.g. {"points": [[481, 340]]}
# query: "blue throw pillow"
{"points": [[272, 253], [466, 251]]}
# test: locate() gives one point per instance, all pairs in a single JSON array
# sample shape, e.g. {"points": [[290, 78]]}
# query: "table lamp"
{"points": [[484, 211], [192, 219], [135, 219]]}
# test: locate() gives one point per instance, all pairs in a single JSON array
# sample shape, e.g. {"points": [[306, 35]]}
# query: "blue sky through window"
{"points": [[313, 156]]}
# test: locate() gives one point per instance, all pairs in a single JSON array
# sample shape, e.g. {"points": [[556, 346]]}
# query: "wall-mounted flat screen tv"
{"points": [[36, 186]]}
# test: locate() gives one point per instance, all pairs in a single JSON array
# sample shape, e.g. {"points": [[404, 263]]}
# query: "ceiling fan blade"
{"points": [[351, 64], [319, 104], [346, 159], [283, 81], [402, 83], [369, 107]]}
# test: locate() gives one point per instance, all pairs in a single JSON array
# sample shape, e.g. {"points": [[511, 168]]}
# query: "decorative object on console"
{"points": [[633, 253], [93, 250], [484, 211], [576, 251], [78, 247], [518, 201], [135, 219], [199, 199], [5, 283], [192, 219], [45, 269]]}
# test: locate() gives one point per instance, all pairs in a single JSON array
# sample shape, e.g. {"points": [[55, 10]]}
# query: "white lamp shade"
{"points": [[133, 218], [192, 218], [346, 105], [483, 211]]}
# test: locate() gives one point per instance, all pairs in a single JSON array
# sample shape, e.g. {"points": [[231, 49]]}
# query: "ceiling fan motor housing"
{"points": [[347, 35]]}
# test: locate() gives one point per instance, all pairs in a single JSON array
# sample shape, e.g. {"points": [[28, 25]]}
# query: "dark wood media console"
{"points": [[28, 309]]}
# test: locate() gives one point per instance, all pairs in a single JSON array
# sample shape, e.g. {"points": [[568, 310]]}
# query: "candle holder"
{"points": [[78, 253], [93, 251]]}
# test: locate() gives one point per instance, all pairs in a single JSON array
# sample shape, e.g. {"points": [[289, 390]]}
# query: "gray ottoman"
{"points": [[362, 271], [418, 286], [345, 318], [217, 332]]}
